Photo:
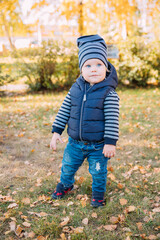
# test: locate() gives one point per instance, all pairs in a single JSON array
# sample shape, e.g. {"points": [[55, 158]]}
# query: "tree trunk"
{"points": [[7, 32], [80, 20]]}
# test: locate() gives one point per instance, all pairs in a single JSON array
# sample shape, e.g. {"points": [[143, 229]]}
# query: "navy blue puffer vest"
{"points": [[86, 122]]}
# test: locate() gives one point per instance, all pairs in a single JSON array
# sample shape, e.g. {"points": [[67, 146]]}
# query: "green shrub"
{"points": [[138, 63], [54, 68], [5, 74]]}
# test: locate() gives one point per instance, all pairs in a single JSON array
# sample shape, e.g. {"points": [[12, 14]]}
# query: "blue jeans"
{"points": [[75, 154]]}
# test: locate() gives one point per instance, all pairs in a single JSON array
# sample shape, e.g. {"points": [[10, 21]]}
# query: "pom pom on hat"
{"points": [[91, 46]]}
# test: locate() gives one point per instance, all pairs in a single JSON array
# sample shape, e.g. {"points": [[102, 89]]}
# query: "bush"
{"points": [[139, 63], [54, 68], [5, 74]]}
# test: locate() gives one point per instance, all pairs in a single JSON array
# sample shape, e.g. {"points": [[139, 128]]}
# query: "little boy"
{"points": [[91, 110]]}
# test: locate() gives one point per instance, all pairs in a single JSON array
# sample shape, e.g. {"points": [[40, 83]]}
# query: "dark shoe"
{"points": [[60, 191], [97, 203], [97, 199]]}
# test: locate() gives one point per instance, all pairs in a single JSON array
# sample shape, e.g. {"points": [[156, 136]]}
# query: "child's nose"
{"points": [[93, 68]]}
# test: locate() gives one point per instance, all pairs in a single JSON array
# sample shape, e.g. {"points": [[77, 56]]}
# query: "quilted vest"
{"points": [[86, 122]]}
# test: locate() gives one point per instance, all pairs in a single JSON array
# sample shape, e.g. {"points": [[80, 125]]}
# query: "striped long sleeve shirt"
{"points": [[111, 115]]}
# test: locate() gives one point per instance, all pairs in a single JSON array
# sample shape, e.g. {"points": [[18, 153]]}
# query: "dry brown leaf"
{"points": [[41, 238], [139, 225], [26, 224], [146, 219], [19, 230], [78, 230], [85, 221], [63, 237], [94, 215], [131, 208], [79, 196], [120, 186], [12, 205], [56, 204], [84, 203], [121, 218], [70, 204], [152, 237], [156, 210], [123, 201], [31, 234], [26, 201], [110, 227], [65, 221], [128, 238], [12, 226], [114, 219], [111, 176]]}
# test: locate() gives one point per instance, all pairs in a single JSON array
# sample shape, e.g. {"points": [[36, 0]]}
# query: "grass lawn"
{"points": [[29, 171]]}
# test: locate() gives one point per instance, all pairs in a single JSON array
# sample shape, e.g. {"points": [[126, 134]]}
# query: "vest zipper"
{"points": [[80, 128]]}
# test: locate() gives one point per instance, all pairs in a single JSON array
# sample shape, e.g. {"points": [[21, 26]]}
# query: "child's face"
{"points": [[94, 71]]}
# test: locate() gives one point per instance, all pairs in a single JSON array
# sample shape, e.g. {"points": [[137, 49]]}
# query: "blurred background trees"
{"points": [[41, 36]]}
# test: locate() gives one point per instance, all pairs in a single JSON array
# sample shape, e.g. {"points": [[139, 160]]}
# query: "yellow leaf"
{"points": [[26, 224], [65, 221], [94, 215], [63, 237], [19, 230], [139, 225], [12, 226], [26, 201], [85, 221], [120, 186], [152, 237], [114, 219], [112, 177], [33, 150], [123, 201], [13, 205], [110, 227], [131, 208], [41, 238], [78, 230], [31, 235]]}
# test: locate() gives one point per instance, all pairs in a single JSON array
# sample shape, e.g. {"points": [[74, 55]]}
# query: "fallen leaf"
{"points": [[94, 215], [31, 234], [41, 238], [114, 219], [69, 204], [131, 208], [19, 230], [63, 237], [56, 204], [26, 201], [12, 226], [123, 201], [111, 176], [79, 196], [26, 224], [120, 186], [12, 205], [85, 221], [152, 237], [139, 225], [78, 230], [65, 221], [110, 227], [156, 210]]}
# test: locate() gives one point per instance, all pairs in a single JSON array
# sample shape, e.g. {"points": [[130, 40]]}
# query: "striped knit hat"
{"points": [[91, 46]]}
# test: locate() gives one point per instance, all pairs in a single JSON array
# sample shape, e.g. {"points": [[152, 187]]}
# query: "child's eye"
{"points": [[88, 66], [99, 64]]}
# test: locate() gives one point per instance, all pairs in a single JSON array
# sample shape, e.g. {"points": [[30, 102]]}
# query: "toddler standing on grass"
{"points": [[91, 111]]}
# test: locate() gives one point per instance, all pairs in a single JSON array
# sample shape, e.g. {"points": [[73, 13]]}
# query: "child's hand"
{"points": [[109, 150], [56, 137]]}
